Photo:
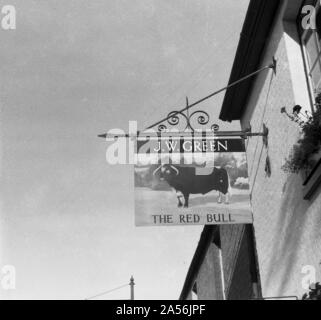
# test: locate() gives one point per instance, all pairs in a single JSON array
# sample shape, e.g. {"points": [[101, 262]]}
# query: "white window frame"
{"points": [[303, 37]]}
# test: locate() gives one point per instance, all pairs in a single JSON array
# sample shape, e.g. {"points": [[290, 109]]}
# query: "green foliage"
{"points": [[309, 144], [314, 293]]}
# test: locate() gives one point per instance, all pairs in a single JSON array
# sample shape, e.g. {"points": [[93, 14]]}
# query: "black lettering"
{"points": [[217, 219], [165, 219]]}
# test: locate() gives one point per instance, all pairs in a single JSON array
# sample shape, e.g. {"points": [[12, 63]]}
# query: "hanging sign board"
{"points": [[191, 180]]}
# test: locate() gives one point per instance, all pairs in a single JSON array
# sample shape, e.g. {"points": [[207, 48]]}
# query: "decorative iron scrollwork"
{"points": [[162, 128], [215, 127], [201, 117]]}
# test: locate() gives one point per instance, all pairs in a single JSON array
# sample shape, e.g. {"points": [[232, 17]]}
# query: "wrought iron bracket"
{"points": [[264, 134], [202, 117], [174, 117], [274, 65]]}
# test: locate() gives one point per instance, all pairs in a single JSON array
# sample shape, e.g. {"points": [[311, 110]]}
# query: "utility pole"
{"points": [[132, 283]]}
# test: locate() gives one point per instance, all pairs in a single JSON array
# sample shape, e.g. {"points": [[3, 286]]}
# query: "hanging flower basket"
{"points": [[306, 153]]}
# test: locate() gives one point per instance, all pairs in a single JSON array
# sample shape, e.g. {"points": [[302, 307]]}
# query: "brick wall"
{"points": [[238, 261], [209, 283], [231, 236], [287, 228], [240, 287], [232, 248]]}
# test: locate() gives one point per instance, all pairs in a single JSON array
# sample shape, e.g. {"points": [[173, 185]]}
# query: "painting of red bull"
{"points": [[202, 182]]}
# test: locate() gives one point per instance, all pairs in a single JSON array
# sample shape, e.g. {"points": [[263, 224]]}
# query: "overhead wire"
{"points": [[106, 292]]}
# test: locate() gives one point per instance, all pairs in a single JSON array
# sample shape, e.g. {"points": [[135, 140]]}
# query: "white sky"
{"points": [[71, 70]]}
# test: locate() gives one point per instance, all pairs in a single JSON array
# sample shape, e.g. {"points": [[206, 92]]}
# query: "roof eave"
{"points": [[255, 33]]}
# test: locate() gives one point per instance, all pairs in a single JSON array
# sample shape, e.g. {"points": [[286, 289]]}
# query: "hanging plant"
{"points": [[314, 293], [310, 143]]}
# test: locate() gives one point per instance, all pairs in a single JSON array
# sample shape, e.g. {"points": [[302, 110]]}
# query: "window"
{"points": [[311, 42]]}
